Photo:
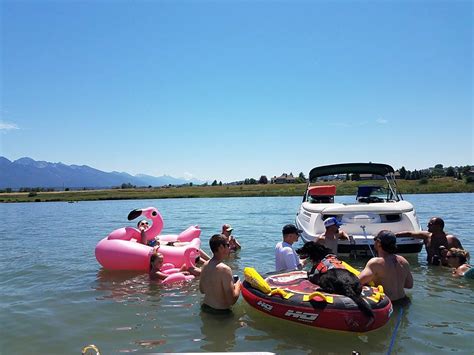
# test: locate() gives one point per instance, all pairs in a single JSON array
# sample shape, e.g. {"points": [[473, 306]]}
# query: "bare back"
{"points": [[217, 285], [393, 273]]}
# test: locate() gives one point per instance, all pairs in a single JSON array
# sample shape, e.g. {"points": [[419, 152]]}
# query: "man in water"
{"points": [[332, 234], [285, 256], [220, 290], [434, 239], [227, 231], [388, 269]]}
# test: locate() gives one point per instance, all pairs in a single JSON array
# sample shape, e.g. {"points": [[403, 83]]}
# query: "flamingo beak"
{"points": [[134, 214]]}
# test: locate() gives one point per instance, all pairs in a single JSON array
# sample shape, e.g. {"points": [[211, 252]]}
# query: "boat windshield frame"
{"points": [[384, 170]]}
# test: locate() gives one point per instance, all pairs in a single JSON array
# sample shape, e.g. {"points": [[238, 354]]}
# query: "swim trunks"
{"points": [[208, 309], [152, 243]]}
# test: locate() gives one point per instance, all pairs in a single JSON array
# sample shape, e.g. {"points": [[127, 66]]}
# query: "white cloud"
{"points": [[6, 126], [381, 121], [188, 176]]}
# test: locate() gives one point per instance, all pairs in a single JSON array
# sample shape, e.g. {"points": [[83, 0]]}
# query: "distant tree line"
{"points": [[458, 172]]}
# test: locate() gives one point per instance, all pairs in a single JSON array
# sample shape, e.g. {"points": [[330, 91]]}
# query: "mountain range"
{"points": [[26, 172]]}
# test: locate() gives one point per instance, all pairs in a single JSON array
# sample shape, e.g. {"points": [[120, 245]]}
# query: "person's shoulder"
{"points": [[223, 267], [402, 259], [375, 261], [451, 237]]}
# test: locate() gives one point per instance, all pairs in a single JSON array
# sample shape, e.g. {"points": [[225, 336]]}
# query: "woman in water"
{"points": [[458, 259]]}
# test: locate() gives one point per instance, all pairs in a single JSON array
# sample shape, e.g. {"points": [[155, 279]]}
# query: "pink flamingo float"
{"points": [[122, 249]]}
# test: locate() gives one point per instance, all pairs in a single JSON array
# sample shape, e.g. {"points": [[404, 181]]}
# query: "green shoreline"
{"points": [[440, 185]]}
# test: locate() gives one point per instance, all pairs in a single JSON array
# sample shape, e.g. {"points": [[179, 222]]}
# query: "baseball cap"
{"points": [[291, 228], [388, 241], [227, 228], [331, 221]]}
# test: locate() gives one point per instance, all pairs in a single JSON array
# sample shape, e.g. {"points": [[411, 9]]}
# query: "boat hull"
{"points": [[362, 222]]}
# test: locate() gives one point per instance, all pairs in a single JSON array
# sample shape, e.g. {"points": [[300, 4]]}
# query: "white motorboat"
{"points": [[376, 207]]}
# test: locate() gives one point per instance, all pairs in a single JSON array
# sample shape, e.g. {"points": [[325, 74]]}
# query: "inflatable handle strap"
{"points": [[326, 298], [282, 293], [377, 294]]}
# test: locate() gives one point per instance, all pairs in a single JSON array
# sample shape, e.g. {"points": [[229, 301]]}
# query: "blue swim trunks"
{"points": [[152, 243]]}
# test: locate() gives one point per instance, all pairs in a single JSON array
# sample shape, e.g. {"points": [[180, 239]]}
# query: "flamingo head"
{"points": [[150, 213]]}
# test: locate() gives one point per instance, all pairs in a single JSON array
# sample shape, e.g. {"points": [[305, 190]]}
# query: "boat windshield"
{"points": [[371, 194]]}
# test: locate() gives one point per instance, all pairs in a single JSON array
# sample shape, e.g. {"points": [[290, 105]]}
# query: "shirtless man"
{"points": [[216, 283], [332, 234], [435, 238], [227, 231], [388, 269]]}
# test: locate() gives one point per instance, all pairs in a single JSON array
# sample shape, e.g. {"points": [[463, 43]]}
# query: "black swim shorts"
{"points": [[208, 309]]}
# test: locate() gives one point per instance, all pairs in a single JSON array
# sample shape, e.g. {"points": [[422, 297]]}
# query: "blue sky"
{"points": [[234, 89]]}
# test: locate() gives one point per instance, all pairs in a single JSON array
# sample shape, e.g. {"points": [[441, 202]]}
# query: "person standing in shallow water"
{"points": [[217, 283], [458, 260], [332, 235], [285, 256], [434, 239], [390, 270], [233, 242]]}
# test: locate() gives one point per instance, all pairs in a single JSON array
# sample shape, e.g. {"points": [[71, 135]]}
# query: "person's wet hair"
{"points": [[153, 258], [462, 254], [216, 241]]}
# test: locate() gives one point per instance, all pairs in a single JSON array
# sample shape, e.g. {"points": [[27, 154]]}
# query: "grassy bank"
{"points": [[441, 185]]}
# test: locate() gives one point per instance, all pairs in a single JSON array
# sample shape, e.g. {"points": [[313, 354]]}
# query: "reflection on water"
{"points": [[314, 340], [56, 293], [218, 331]]}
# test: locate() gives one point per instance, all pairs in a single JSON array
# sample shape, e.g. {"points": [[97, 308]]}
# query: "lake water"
{"points": [[56, 298]]}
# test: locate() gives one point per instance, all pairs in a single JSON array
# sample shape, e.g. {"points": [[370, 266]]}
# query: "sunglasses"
{"points": [[143, 223]]}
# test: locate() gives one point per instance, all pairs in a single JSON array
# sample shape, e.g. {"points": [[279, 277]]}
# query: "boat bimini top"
{"points": [[384, 170]]}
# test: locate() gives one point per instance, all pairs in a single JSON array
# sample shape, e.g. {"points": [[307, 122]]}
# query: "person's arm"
{"points": [[193, 270], [201, 288], [418, 235], [319, 240], [409, 280], [343, 235], [236, 243], [203, 255], [158, 275], [143, 235], [231, 289], [461, 270], [367, 274], [454, 242]]}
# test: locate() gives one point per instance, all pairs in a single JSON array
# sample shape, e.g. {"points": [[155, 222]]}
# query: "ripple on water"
{"points": [[55, 296]]}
